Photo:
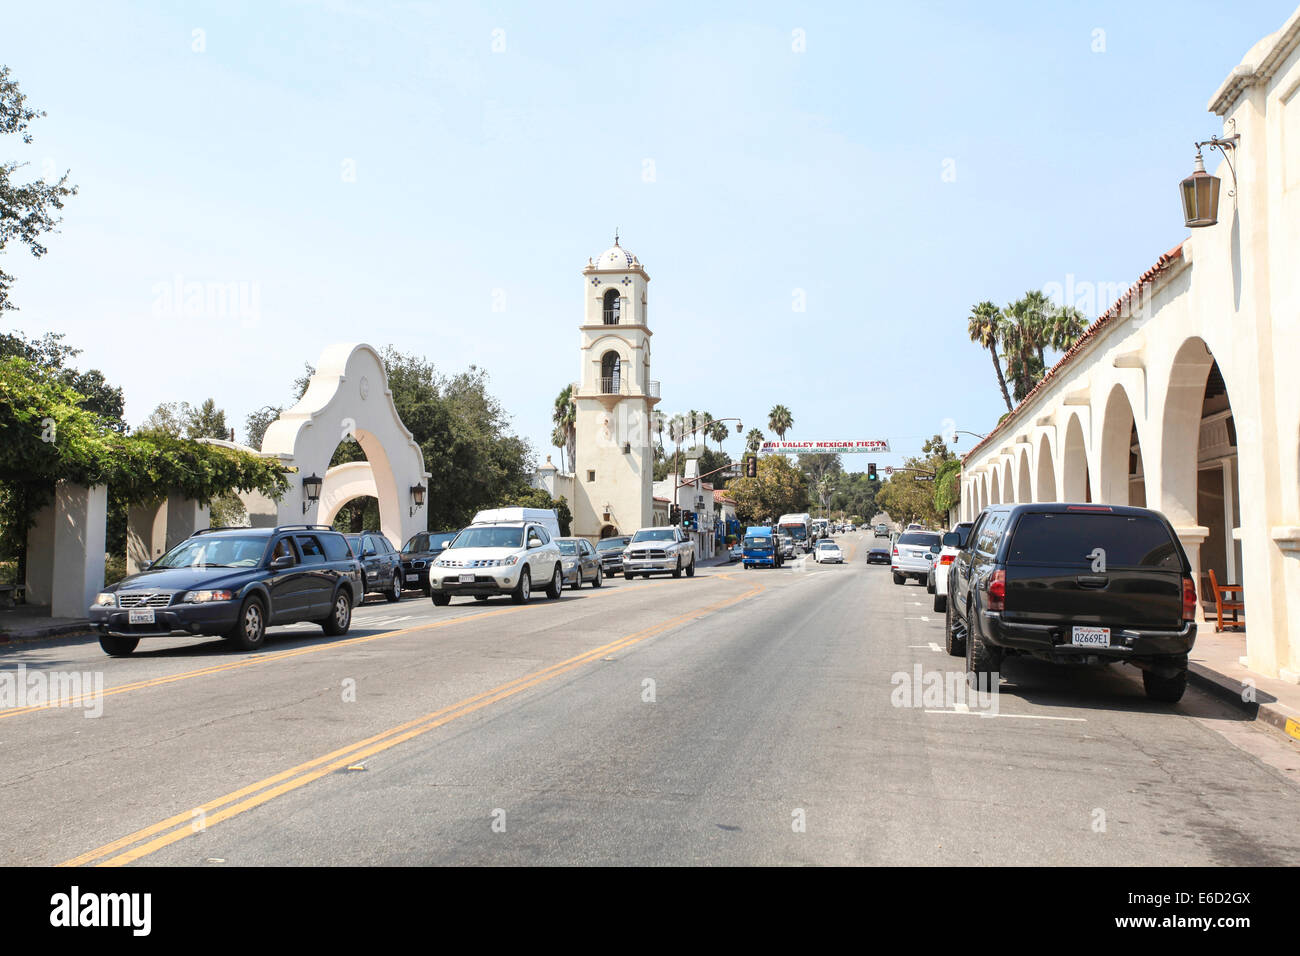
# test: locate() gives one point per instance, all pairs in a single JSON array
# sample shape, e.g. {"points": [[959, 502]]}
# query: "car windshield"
{"points": [[486, 536], [923, 538], [568, 547], [418, 543], [441, 541], [215, 552], [758, 542], [828, 545], [656, 534], [611, 544]]}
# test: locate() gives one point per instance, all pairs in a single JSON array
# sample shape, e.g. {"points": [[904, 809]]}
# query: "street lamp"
{"points": [[310, 491], [962, 431]]}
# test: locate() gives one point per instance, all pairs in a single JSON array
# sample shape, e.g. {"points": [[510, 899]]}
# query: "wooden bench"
{"points": [[1222, 603]]}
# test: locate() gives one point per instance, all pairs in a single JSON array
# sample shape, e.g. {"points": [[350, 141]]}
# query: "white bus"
{"points": [[798, 527]]}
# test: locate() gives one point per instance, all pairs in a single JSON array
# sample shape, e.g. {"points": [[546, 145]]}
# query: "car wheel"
{"points": [[982, 658], [524, 589], [577, 581], [395, 592], [677, 571], [898, 578], [940, 602], [441, 599], [929, 586], [249, 632], [1166, 689], [953, 641], [340, 618], [557, 583], [600, 577], [118, 646], [628, 575], [690, 569]]}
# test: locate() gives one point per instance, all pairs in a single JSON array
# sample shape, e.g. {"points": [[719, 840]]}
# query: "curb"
{"points": [[33, 635], [1270, 710]]}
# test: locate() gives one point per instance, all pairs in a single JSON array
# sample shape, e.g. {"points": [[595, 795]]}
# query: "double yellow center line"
{"points": [[176, 828]]}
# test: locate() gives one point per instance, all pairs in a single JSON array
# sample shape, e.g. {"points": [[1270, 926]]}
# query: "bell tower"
{"points": [[615, 399]]}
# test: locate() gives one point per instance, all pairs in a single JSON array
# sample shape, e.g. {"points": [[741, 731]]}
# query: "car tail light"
{"points": [[895, 551], [1104, 508], [1189, 598], [997, 591], [946, 558]]}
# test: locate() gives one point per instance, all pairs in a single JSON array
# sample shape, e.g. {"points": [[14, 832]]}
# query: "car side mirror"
{"points": [[368, 553], [534, 542], [282, 562]]}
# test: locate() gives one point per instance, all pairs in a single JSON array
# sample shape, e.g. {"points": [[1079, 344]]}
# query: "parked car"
{"points": [[419, 553], [937, 583], [882, 531], [659, 551], [1078, 583], [580, 562], [497, 557], [737, 553], [911, 556], [235, 583], [610, 551], [381, 565], [828, 552]]}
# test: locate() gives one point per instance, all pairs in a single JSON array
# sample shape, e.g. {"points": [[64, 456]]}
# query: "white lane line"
{"points": [[932, 646], [963, 709]]}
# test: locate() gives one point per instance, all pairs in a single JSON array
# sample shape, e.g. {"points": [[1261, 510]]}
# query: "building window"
{"points": [[591, 476], [613, 306], [609, 373]]}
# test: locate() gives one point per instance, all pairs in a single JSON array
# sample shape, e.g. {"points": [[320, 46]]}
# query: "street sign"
{"points": [[925, 477], [888, 470]]}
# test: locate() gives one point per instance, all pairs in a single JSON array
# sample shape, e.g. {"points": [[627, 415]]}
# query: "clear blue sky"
{"points": [[479, 171]]}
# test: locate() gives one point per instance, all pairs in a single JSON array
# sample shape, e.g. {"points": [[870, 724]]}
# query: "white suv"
{"points": [[911, 556], [497, 558], [952, 543]]}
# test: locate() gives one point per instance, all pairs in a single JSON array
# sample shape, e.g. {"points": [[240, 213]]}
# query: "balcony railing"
{"points": [[653, 390], [619, 385]]}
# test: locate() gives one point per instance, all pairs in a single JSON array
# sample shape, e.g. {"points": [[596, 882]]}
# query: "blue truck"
{"points": [[761, 548]]}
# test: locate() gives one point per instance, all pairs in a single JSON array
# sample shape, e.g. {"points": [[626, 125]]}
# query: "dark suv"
{"points": [[1079, 583], [381, 565], [233, 582], [419, 553]]}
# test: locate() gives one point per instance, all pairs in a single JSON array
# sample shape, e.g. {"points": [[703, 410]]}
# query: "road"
{"points": [[743, 717]]}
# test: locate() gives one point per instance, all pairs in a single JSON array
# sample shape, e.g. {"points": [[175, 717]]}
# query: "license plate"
{"points": [[412, 577], [467, 579], [1090, 637], [140, 615]]}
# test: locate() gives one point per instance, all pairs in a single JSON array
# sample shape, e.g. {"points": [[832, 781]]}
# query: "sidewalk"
{"points": [[32, 622], [1216, 669]]}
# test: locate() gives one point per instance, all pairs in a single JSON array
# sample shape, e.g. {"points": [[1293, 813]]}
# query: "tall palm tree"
{"points": [[719, 431], [1065, 326], [565, 419], [780, 420], [754, 439], [985, 328]]}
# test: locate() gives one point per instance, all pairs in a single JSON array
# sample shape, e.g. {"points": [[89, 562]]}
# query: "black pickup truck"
{"points": [[1082, 583]]}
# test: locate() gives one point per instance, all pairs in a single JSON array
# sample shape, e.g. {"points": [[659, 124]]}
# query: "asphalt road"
{"points": [[744, 717]]}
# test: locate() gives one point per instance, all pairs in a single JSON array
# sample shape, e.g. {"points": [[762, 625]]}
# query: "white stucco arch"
{"points": [[344, 483], [1008, 482], [1045, 472], [1073, 471], [1118, 422], [1024, 491], [349, 396]]}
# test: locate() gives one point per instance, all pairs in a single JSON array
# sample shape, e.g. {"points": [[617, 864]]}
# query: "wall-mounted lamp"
{"points": [[417, 499], [1200, 190], [310, 491]]}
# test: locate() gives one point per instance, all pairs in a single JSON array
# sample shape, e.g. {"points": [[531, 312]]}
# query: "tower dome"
{"points": [[616, 258]]}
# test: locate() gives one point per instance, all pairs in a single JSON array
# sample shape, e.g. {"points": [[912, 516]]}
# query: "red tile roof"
{"points": [[657, 498], [1105, 319]]}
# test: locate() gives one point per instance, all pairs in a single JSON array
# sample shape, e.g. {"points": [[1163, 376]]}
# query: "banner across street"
{"points": [[822, 447]]}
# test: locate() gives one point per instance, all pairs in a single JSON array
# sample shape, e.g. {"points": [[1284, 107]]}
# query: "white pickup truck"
{"points": [[659, 551]]}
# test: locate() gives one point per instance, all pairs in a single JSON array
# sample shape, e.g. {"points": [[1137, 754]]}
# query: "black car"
{"points": [[418, 555], [878, 556], [1080, 583], [381, 565], [610, 552], [233, 582]]}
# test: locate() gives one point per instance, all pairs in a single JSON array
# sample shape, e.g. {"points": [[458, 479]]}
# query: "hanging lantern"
{"points": [[1200, 193]]}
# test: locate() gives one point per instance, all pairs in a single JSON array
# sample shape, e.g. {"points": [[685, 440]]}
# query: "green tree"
{"points": [[985, 328], [28, 210], [51, 354], [256, 424], [753, 440], [565, 419], [779, 489], [780, 420]]}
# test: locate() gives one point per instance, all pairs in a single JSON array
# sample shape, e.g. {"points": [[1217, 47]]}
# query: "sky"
{"points": [[819, 192]]}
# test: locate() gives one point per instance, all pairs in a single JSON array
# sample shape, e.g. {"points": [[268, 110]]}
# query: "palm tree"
{"points": [[565, 418], [985, 328], [754, 439], [780, 420], [719, 431], [1065, 326]]}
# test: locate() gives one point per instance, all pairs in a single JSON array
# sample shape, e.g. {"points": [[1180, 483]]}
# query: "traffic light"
{"points": [[871, 472], [674, 514], [751, 467], [688, 520]]}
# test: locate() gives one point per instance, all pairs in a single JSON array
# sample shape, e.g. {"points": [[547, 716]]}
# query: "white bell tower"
{"points": [[615, 399]]}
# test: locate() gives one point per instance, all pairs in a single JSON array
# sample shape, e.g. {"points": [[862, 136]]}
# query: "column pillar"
{"points": [[1191, 538], [146, 534], [65, 550]]}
